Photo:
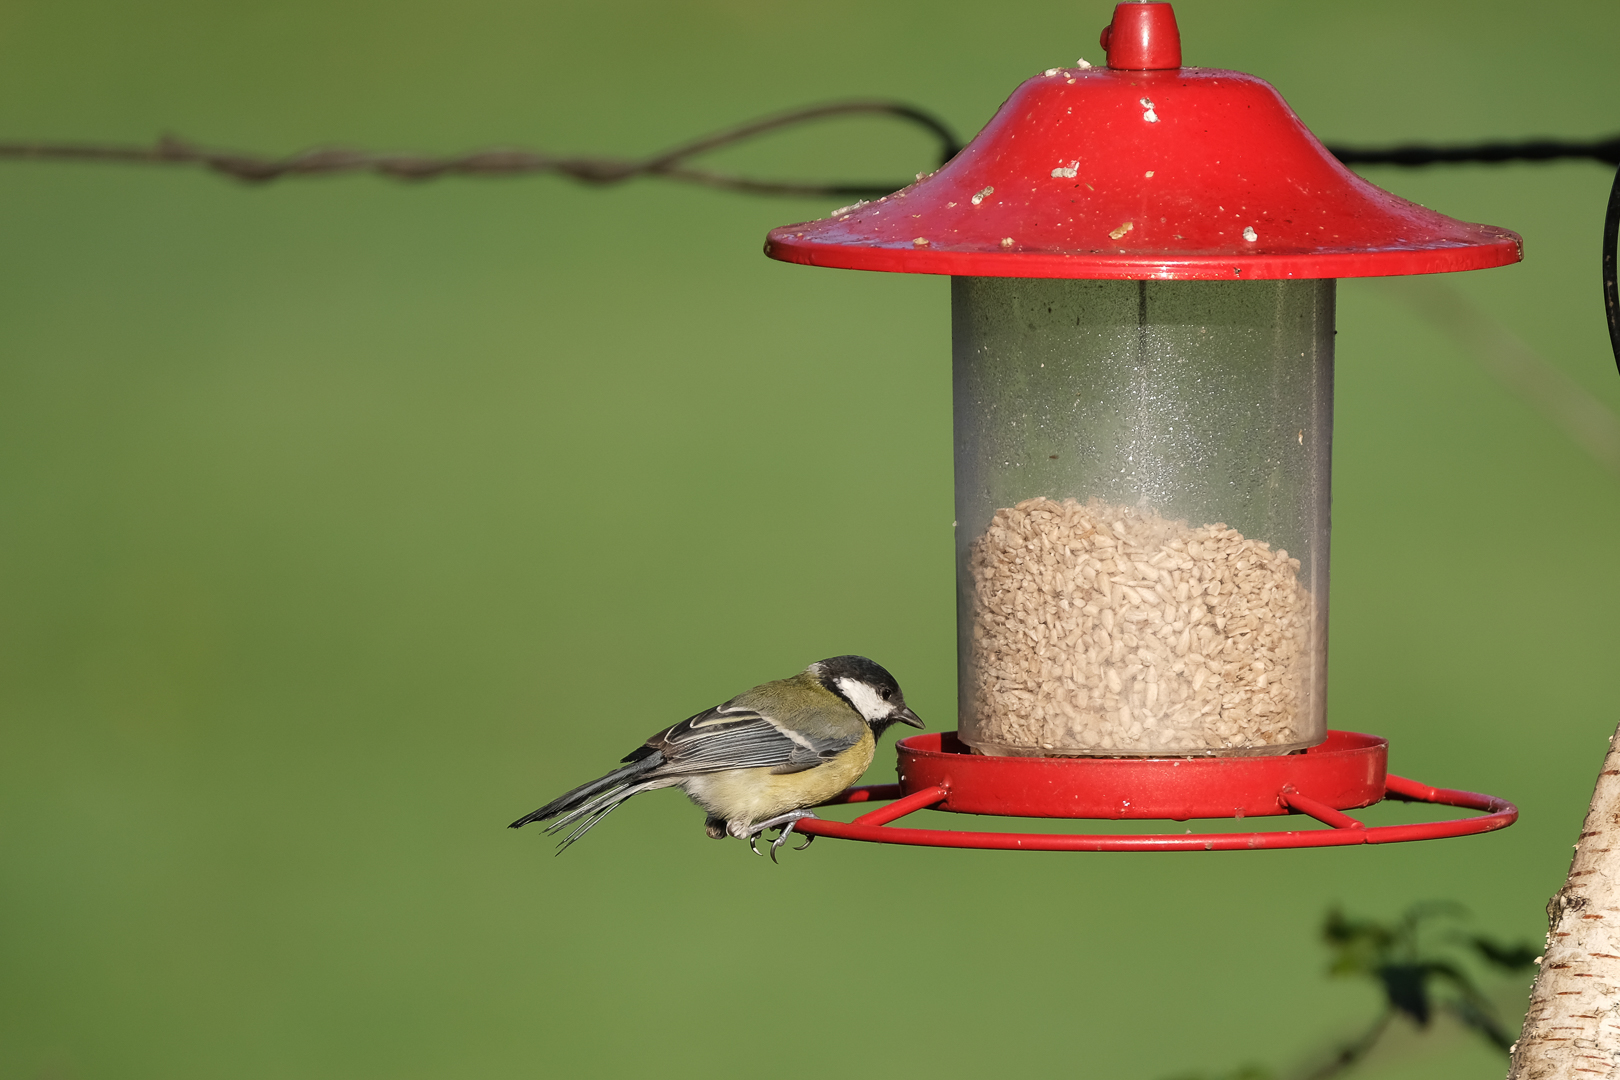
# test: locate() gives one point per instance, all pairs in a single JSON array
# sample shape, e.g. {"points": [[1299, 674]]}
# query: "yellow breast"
{"points": [[749, 795]]}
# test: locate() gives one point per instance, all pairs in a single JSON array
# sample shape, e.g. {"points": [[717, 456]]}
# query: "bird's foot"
{"points": [[783, 822]]}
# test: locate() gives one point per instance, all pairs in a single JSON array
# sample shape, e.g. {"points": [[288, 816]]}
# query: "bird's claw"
{"points": [[784, 824], [781, 835], [809, 838]]}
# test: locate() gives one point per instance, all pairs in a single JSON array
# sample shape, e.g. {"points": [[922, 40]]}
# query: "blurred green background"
{"points": [[343, 521]]}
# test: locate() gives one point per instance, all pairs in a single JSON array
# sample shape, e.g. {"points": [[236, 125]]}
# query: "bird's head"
{"points": [[869, 689]]}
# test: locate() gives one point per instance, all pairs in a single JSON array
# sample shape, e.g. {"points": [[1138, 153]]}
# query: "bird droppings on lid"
{"points": [[921, 241], [1150, 116], [1249, 234], [979, 196], [1007, 241], [1067, 171], [1122, 230]]}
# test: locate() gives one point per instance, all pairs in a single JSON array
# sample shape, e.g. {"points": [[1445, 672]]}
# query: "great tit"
{"points": [[755, 762]]}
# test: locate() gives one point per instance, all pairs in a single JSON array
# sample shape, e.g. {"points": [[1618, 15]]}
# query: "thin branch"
{"points": [[1586, 420], [670, 163], [1351, 1053]]}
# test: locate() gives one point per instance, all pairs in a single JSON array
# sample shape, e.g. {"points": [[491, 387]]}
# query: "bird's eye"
{"points": [[887, 694]]}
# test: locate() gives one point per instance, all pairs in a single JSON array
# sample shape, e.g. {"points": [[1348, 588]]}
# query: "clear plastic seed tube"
{"points": [[1142, 492]]}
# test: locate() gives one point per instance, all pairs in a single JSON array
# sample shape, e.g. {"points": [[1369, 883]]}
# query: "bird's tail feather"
{"points": [[586, 793], [597, 809]]}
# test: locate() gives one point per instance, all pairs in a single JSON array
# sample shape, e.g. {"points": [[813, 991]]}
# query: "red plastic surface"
{"points": [[1142, 37], [1345, 771], [1191, 173], [1343, 830]]}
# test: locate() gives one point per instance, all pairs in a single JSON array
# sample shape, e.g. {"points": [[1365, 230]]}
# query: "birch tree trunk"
{"points": [[1572, 1029]]}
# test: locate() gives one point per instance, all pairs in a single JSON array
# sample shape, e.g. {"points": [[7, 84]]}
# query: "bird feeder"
{"points": [[1143, 260]]}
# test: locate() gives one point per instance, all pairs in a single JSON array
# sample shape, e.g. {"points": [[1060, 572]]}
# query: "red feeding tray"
{"points": [[1345, 772]]}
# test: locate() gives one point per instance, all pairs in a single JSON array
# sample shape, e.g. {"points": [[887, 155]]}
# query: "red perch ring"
{"points": [[1345, 772]]}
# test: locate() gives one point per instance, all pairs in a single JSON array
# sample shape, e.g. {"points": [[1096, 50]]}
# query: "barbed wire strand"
{"points": [[671, 164], [503, 161]]}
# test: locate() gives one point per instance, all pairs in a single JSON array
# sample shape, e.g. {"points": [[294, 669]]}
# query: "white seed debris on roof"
{"points": [[1150, 116], [1148, 174], [978, 196], [1249, 234], [1122, 230], [921, 241], [1051, 71], [1006, 241], [1066, 171], [842, 210], [1082, 64]]}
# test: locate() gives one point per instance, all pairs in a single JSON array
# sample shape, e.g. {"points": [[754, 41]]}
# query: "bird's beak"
{"points": [[906, 716]]}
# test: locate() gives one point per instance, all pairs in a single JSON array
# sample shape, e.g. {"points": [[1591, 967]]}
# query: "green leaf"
{"points": [[1476, 1017], [1242, 1072], [1511, 957], [1407, 988]]}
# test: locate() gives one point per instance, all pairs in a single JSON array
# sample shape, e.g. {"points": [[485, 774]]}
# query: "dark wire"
{"points": [[1605, 150], [672, 164], [1611, 292], [668, 164]]}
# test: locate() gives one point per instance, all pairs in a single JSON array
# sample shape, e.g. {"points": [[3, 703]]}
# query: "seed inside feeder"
{"points": [[1111, 630]]}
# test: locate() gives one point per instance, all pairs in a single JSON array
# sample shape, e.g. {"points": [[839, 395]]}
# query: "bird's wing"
{"points": [[733, 736]]}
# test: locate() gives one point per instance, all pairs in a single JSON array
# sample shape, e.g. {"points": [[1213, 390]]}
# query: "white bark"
{"points": [[1572, 1029]]}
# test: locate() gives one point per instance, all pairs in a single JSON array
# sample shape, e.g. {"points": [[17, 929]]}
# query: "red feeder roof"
{"points": [[1169, 174]]}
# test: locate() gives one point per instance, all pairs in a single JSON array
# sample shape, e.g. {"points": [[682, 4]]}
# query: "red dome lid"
{"points": [[1173, 174]]}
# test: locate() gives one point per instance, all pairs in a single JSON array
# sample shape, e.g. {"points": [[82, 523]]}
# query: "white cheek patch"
{"points": [[866, 700]]}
